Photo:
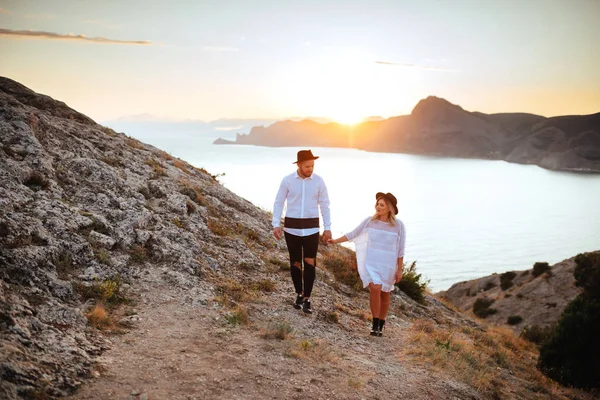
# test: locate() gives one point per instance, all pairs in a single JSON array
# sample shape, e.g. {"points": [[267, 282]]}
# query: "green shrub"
{"points": [[489, 285], [481, 307], [539, 268], [536, 334], [514, 319], [506, 279], [411, 284], [587, 274], [571, 355], [109, 291]]}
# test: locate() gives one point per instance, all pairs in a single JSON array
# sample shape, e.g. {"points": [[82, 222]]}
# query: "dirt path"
{"points": [[182, 349]]}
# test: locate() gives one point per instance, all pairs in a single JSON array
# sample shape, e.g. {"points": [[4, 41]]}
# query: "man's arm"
{"points": [[325, 212], [278, 209]]}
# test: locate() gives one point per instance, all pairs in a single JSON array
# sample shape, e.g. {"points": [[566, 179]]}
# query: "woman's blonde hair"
{"points": [[391, 215]]}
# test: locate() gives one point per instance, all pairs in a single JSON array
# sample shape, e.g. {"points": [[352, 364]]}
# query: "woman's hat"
{"points": [[389, 197], [305, 155]]}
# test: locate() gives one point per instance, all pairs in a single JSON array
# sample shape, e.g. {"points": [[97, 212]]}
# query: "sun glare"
{"points": [[347, 119], [344, 86]]}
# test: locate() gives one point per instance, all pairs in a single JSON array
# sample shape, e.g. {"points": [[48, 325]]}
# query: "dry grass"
{"points": [[109, 292], [220, 228], [181, 165], [157, 168], [355, 383], [178, 222], [489, 361], [136, 144], [103, 256], [138, 254], [279, 264], [99, 318], [239, 316], [282, 331], [166, 156], [331, 317], [190, 207], [361, 314], [236, 291], [344, 269], [266, 285], [314, 350], [112, 161], [196, 194]]}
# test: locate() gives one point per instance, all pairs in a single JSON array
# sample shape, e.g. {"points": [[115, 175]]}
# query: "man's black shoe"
{"points": [[306, 307], [298, 303]]}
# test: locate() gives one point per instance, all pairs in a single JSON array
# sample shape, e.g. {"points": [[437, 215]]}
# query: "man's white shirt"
{"points": [[304, 198]]}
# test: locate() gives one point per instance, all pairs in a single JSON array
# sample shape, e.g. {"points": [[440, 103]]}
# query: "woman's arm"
{"points": [[399, 267], [338, 240]]}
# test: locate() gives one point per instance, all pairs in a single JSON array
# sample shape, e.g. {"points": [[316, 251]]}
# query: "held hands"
{"points": [[278, 233], [338, 240], [327, 237]]}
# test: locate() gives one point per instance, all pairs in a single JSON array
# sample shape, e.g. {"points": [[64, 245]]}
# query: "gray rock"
{"points": [[102, 240]]}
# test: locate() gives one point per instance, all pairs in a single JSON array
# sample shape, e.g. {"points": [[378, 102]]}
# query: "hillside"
{"points": [[538, 298], [438, 127], [127, 273]]}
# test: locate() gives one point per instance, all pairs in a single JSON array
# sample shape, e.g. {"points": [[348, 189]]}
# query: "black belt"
{"points": [[301, 223]]}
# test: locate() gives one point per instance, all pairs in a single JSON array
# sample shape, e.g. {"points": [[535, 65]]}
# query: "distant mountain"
{"points": [[438, 127], [146, 125]]}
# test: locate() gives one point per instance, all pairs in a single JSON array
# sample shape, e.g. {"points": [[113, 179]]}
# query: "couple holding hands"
{"points": [[380, 239]]}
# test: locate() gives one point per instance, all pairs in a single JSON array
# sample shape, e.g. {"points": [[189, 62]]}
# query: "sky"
{"points": [[343, 60]]}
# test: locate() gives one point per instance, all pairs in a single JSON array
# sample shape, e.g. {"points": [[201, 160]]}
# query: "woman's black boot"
{"points": [[381, 324], [375, 329]]}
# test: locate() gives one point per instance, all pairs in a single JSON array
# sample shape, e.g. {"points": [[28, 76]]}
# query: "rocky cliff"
{"points": [[127, 273], [438, 127], [81, 205]]}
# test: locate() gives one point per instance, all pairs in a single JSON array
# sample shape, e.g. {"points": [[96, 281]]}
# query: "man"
{"points": [[305, 193]]}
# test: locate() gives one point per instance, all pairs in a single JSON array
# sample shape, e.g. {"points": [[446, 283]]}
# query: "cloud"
{"points": [[219, 49], [417, 66], [68, 36]]}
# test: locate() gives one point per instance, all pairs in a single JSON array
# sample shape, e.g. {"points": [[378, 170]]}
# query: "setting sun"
{"points": [[347, 119]]}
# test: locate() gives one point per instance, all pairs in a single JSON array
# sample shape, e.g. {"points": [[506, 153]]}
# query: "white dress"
{"points": [[378, 247]]}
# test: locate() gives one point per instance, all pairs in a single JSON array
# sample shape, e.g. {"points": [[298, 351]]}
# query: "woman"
{"points": [[380, 242]]}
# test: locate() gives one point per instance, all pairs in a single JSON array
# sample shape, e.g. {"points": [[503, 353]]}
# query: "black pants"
{"points": [[300, 248]]}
